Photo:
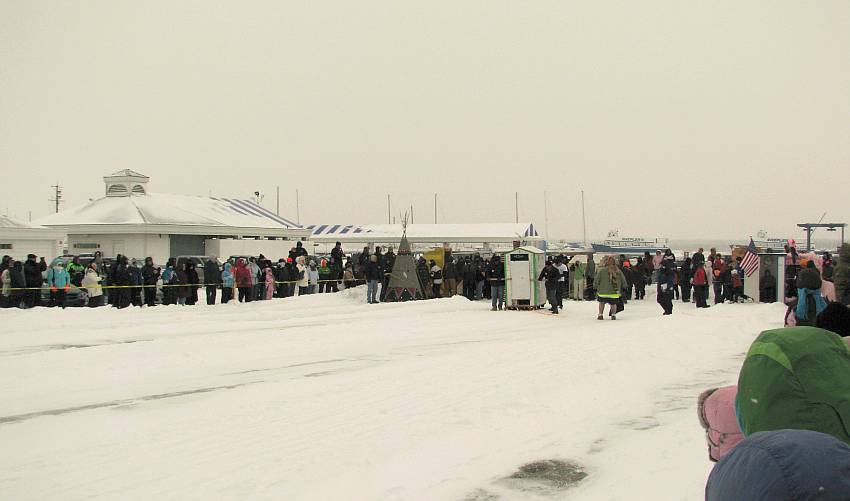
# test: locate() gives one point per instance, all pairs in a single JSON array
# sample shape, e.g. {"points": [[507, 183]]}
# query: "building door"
{"points": [[117, 247]]}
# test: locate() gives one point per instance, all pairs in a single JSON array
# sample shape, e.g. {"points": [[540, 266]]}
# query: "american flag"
{"points": [[750, 263]]}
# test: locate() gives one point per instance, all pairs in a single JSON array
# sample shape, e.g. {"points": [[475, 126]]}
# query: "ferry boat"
{"points": [[763, 242], [614, 243]]}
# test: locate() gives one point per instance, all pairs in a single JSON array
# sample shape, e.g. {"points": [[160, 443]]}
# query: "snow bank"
{"points": [[325, 397]]}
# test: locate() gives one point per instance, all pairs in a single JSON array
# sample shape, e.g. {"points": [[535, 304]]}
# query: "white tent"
{"points": [[479, 236]]}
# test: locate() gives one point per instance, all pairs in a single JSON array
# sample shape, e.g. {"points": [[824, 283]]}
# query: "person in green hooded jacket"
{"points": [[796, 378]]}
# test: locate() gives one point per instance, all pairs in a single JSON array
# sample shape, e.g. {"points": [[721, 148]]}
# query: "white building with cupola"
{"points": [[135, 222]]}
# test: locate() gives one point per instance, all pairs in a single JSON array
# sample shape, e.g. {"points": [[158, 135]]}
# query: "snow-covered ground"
{"points": [[324, 397]]}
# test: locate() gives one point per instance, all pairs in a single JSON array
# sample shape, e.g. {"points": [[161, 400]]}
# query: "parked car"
{"points": [[75, 296]]}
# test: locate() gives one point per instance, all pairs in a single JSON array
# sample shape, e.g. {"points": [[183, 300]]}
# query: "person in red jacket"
{"points": [[700, 283], [244, 284]]}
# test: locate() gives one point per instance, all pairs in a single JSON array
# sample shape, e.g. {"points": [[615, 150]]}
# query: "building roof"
{"points": [[180, 214], [422, 233], [127, 173], [11, 228]]}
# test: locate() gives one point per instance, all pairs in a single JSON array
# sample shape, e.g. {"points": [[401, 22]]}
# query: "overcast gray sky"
{"points": [[681, 119]]}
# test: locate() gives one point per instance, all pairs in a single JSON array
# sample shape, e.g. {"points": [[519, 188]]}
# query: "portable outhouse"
{"points": [[767, 283], [522, 267]]}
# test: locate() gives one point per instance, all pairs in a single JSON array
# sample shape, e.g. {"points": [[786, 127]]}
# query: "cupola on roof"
{"points": [[125, 182]]}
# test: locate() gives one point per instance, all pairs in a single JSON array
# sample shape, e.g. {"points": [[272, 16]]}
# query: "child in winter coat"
{"points": [[226, 284], [270, 285]]}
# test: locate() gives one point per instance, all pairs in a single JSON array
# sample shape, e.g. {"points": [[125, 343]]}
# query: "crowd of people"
{"points": [[122, 282], [619, 279]]}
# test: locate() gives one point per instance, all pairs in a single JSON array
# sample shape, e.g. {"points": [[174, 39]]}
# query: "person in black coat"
{"points": [[372, 274], [639, 280], [551, 275], [685, 279], [470, 271], [496, 278], [32, 274], [150, 275], [666, 283], [18, 281], [135, 280], [212, 278], [194, 282], [122, 280], [281, 276]]}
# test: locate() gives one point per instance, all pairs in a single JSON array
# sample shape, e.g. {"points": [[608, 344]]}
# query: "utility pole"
{"points": [[411, 213], [389, 211], [583, 221], [297, 207], [57, 196], [516, 205]]}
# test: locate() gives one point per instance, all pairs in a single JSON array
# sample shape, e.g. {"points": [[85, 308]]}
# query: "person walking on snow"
{"points": [[609, 282], [666, 282], [551, 274]]}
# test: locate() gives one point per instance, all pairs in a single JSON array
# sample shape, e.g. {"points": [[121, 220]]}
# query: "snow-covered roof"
{"points": [[13, 228], [167, 213], [479, 232], [127, 173]]}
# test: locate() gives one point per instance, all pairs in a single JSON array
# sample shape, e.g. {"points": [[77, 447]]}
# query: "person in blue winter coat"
{"points": [[59, 281], [783, 465], [226, 283]]}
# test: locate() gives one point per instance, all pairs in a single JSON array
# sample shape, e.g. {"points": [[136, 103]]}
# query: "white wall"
{"points": [[272, 249], [132, 245], [49, 249]]}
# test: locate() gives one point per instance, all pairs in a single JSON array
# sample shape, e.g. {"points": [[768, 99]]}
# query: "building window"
{"points": [[117, 189], [86, 246], [5, 246], [139, 189]]}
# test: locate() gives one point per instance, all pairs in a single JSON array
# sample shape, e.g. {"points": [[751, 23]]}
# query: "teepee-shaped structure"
{"points": [[404, 284]]}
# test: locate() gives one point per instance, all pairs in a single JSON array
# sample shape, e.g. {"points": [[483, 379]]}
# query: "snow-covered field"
{"points": [[324, 398]]}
